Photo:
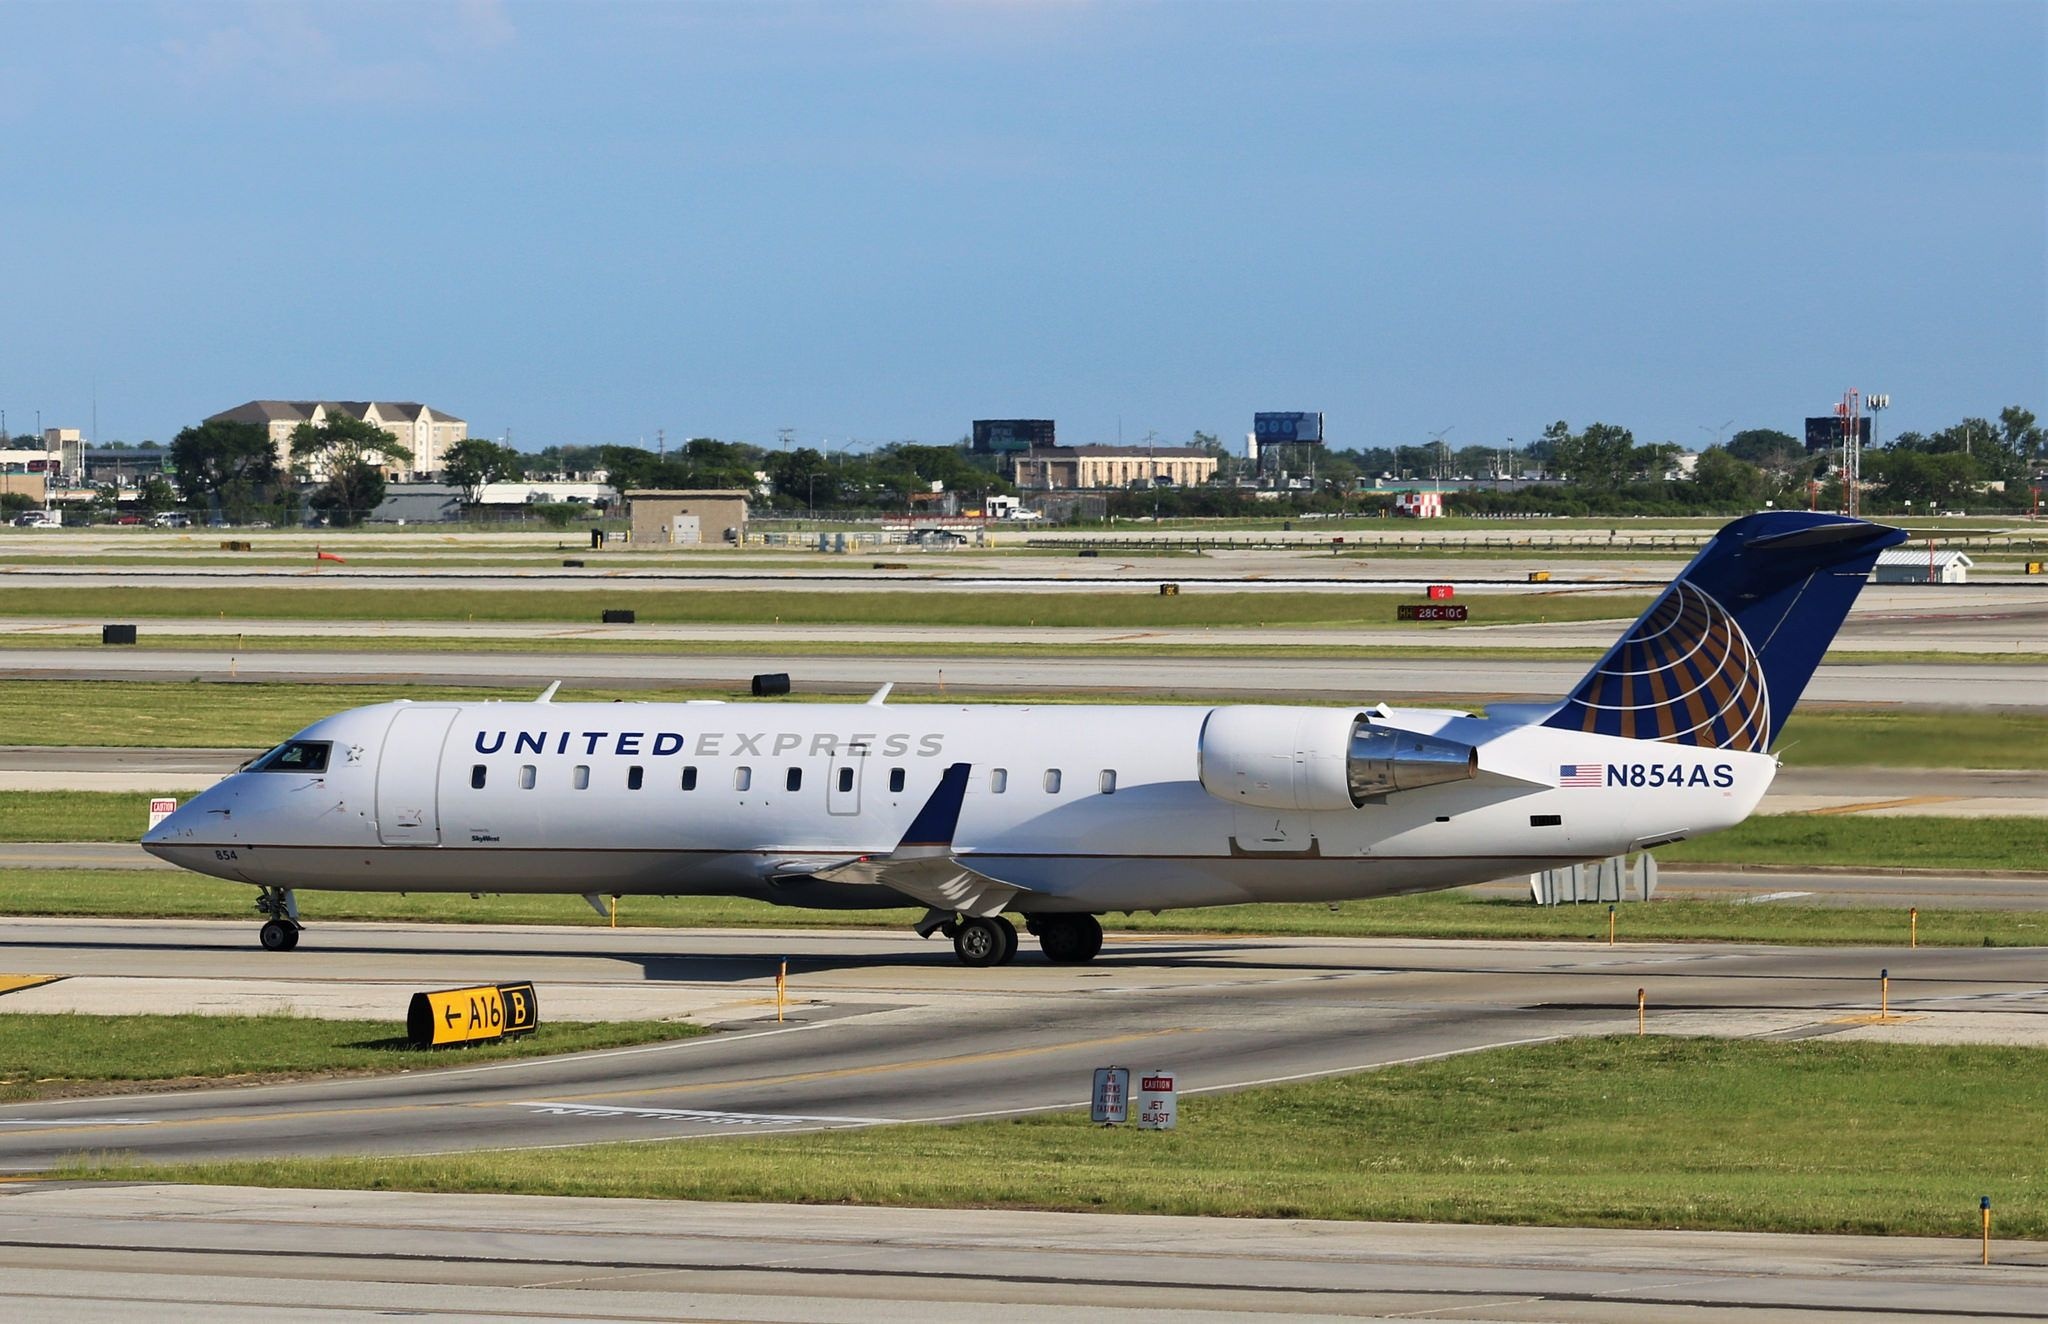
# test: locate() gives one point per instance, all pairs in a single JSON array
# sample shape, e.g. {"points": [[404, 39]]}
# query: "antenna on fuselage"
{"points": [[881, 696], [548, 695]]}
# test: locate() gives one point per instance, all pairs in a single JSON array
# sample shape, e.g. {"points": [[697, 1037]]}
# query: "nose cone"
{"points": [[199, 833]]}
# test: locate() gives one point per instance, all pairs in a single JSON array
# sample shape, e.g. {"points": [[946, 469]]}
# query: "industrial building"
{"points": [[1071, 468], [1906, 565], [711, 517]]}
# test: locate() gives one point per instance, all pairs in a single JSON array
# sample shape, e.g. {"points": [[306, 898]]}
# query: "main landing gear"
{"points": [[1067, 939], [280, 933], [992, 940]]}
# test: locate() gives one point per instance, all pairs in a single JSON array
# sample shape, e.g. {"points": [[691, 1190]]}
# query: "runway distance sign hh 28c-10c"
{"points": [[471, 1015]]}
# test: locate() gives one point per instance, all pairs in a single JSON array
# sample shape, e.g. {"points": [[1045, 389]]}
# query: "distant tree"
{"points": [[14, 503], [558, 514], [1767, 448], [156, 494], [225, 462], [1721, 479], [473, 462], [2021, 435], [1599, 458], [1928, 479], [345, 456]]}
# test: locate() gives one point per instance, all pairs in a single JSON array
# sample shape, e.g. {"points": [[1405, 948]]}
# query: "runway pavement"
{"points": [[892, 1029], [171, 1254], [1922, 685]]}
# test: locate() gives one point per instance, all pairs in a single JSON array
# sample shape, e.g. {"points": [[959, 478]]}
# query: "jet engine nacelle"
{"points": [[1319, 758]]}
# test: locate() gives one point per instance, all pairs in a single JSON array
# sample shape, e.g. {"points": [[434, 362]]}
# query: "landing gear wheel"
{"points": [[1009, 932], [979, 942], [279, 935], [1069, 939]]}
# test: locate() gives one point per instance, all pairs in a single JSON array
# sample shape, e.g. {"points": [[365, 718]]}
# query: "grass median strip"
{"points": [[1457, 914], [63, 1055], [1666, 1133]]}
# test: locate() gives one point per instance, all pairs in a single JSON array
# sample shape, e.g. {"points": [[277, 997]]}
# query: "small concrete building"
{"points": [[1906, 565], [715, 517]]}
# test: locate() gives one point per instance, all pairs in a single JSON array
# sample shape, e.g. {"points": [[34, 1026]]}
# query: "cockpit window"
{"points": [[296, 756]]}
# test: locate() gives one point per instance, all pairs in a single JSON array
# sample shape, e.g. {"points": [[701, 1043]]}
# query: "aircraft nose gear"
{"points": [[1067, 939], [280, 933], [980, 942]]}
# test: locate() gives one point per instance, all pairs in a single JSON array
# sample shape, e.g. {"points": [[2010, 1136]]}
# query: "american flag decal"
{"points": [[1581, 774]]}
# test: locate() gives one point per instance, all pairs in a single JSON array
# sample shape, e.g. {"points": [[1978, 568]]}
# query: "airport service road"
{"points": [[1461, 679], [180, 1253], [892, 1029]]}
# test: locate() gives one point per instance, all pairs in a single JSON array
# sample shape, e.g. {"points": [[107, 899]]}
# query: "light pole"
{"points": [[1440, 456], [1717, 432]]}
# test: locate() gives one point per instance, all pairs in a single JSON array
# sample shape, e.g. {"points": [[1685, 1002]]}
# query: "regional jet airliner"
{"points": [[1057, 814]]}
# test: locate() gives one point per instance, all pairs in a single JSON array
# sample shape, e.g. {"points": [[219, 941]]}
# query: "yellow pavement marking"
{"points": [[1867, 805], [15, 983], [1875, 1018]]}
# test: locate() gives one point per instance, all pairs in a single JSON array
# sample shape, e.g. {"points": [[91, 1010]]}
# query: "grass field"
{"points": [[1457, 914], [1664, 1133], [49, 1056], [1137, 608], [258, 715]]}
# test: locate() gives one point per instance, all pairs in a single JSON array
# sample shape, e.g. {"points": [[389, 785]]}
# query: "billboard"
{"points": [[1825, 433], [1012, 434], [1280, 429]]}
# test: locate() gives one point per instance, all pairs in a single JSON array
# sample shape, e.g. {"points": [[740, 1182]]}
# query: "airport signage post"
{"points": [[1431, 611], [1110, 1101], [1158, 1107], [471, 1015]]}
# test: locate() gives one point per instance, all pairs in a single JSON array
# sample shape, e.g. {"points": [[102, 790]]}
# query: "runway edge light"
{"points": [[481, 1014]]}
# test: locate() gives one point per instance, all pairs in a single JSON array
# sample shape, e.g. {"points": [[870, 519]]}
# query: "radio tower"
{"points": [[1852, 452]]}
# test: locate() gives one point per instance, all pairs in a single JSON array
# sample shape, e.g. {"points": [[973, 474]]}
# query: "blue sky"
{"points": [[874, 222]]}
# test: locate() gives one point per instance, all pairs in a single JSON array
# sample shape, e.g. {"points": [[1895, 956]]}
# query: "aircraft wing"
{"points": [[923, 866]]}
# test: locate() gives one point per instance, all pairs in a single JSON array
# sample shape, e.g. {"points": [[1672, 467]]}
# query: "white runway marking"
{"points": [[710, 1117]]}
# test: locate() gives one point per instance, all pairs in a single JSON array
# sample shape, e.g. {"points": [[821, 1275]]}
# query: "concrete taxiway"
{"points": [[891, 1029], [179, 1253], [1478, 678]]}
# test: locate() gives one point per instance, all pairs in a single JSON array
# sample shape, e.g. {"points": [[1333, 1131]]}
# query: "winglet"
{"points": [[935, 823], [548, 695], [881, 696]]}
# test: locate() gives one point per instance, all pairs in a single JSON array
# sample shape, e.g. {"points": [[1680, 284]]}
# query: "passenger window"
{"points": [[581, 778], [1108, 781], [846, 779], [1052, 781], [690, 778], [476, 777], [998, 780], [742, 778], [793, 780], [526, 776], [635, 775], [895, 779]]}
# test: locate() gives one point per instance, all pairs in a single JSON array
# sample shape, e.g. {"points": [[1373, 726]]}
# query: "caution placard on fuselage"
{"points": [[471, 1015]]}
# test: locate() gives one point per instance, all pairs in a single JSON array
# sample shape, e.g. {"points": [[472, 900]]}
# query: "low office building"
{"points": [[712, 517], [1908, 565], [1082, 468]]}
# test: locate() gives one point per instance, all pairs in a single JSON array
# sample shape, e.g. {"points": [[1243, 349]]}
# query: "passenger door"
{"points": [[409, 777]]}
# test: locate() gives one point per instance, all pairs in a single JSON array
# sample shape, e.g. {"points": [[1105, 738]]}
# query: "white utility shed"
{"points": [[1918, 565]]}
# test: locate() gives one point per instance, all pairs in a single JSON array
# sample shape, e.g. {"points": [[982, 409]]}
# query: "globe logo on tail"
{"points": [[1686, 673]]}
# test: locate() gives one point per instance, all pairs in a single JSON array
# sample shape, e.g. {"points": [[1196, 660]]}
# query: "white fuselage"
{"points": [[1085, 808]]}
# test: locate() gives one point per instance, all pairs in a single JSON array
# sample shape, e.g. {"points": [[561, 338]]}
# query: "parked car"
{"points": [[38, 519], [171, 519], [129, 519]]}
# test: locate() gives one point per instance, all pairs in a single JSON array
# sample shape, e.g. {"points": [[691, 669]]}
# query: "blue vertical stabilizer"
{"points": [[1722, 656]]}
